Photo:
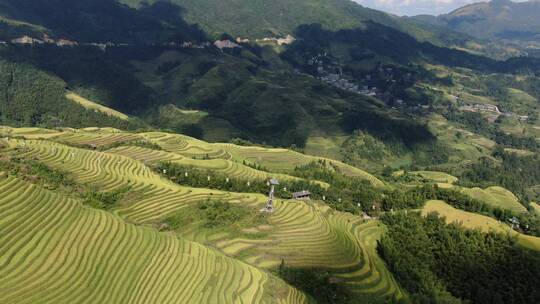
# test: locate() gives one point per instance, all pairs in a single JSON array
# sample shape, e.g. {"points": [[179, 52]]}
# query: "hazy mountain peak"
{"points": [[497, 19]]}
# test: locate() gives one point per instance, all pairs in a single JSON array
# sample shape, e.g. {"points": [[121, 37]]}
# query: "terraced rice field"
{"points": [[88, 136], [439, 177], [519, 152], [30, 133], [305, 235], [276, 160], [283, 160], [161, 203], [54, 250], [187, 146], [95, 137], [226, 167], [476, 221], [302, 234], [103, 170], [107, 172], [496, 197], [380, 281], [311, 235]]}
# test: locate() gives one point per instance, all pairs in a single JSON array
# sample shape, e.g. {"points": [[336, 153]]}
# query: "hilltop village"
{"points": [[219, 44], [385, 82], [492, 111], [378, 83]]}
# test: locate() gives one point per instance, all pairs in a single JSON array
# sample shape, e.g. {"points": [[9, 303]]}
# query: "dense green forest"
{"points": [[439, 263], [106, 77], [318, 283], [30, 97], [103, 20]]}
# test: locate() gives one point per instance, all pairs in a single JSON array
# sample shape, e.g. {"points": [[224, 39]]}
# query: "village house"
{"points": [[514, 221], [302, 195], [286, 41], [26, 40], [47, 39], [279, 41], [65, 42], [225, 44], [523, 117], [242, 40], [487, 108]]}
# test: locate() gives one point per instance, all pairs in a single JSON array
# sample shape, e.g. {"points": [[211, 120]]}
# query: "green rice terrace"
{"points": [[100, 215]]}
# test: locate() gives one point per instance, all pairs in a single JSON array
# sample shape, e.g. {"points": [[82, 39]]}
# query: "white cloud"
{"points": [[416, 7]]}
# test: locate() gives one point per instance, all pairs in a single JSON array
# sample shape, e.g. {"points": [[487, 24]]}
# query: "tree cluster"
{"points": [[29, 97], [511, 171], [439, 263]]}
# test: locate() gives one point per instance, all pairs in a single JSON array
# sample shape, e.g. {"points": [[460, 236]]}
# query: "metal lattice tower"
{"points": [[270, 204]]}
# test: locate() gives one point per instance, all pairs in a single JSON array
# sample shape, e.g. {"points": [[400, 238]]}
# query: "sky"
{"points": [[416, 7]]}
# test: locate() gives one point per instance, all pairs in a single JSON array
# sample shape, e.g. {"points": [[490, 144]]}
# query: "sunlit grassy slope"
{"points": [[90, 105], [477, 221], [536, 207], [496, 197], [439, 177]]}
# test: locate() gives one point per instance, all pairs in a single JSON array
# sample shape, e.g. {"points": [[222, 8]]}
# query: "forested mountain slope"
{"points": [[335, 80], [259, 18], [96, 21], [516, 24]]}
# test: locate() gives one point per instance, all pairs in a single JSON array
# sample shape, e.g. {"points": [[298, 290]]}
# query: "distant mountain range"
{"points": [[498, 20], [128, 20], [155, 59]]}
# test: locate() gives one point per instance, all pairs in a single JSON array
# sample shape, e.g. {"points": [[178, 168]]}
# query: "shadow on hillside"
{"points": [[108, 20], [348, 49], [402, 48], [109, 73]]}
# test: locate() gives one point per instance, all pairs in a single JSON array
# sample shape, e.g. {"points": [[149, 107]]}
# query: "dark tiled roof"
{"points": [[301, 193]]}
